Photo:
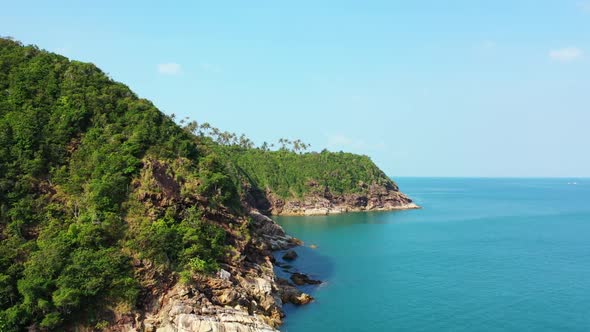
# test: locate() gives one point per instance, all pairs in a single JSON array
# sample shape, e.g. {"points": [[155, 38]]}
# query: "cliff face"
{"points": [[243, 296], [289, 183], [378, 198], [321, 201]]}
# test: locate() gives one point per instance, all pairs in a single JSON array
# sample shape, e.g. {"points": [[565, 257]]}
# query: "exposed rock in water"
{"points": [[290, 255], [290, 294], [301, 279]]}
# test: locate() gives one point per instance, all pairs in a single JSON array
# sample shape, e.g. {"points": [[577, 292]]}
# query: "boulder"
{"points": [[301, 279], [290, 255], [303, 298], [223, 274], [290, 294]]}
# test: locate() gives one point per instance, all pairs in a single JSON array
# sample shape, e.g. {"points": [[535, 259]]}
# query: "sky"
{"points": [[425, 88]]}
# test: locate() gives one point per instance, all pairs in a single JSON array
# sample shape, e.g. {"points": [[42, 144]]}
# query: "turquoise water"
{"points": [[482, 255]]}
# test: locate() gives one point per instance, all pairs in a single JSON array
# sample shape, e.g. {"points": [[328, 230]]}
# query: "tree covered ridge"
{"points": [[71, 143], [287, 169], [94, 179], [293, 176]]}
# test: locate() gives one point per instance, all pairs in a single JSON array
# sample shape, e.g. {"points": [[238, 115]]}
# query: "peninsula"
{"points": [[116, 217]]}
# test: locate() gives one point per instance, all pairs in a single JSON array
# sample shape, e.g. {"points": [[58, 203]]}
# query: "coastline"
{"points": [[245, 296], [375, 198], [342, 209], [191, 308]]}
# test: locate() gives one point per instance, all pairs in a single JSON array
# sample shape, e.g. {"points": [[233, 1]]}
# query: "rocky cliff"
{"points": [[321, 201], [243, 296], [377, 199], [290, 183]]}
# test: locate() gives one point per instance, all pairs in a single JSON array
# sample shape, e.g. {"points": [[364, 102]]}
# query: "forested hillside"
{"points": [[289, 172], [105, 202], [293, 175], [71, 142]]}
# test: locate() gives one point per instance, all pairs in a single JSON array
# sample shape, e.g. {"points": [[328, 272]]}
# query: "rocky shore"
{"points": [[242, 297], [246, 295], [324, 202]]}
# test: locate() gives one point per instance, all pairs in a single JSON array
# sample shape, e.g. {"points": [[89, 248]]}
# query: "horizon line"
{"points": [[487, 177]]}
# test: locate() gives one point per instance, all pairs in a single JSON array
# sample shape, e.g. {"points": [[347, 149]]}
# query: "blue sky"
{"points": [[426, 88]]}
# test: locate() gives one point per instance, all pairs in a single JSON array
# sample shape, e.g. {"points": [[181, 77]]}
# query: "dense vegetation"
{"points": [[94, 179], [285, 168], [291, 175], [71, 141]]}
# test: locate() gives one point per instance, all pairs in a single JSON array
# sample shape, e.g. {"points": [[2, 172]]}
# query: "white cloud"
{"points": [[170, 68], [567, 54]]}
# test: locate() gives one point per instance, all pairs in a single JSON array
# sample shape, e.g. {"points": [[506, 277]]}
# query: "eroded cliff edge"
{"points": [[378, 198], [313, 183], [320, 200], [243, 296]]}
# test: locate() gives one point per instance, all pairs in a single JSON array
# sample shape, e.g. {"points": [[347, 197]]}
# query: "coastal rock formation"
{"points": [[301, 279], [271, 233], [216, 305], [290, 294], [374, 197], [187, 309], [244, 297], [290, 255]]}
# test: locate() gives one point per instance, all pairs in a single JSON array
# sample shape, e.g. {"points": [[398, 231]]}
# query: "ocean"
{"points": [[481, 255]]}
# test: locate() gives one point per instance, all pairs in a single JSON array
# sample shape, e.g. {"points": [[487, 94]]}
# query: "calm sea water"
{"points": [[482, 255]]}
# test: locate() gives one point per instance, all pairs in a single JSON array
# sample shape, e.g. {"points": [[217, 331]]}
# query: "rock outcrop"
{"points": [[290, 255], [301, 279], [242, 297], [374, 197], [290, 294], [187, 309]]}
